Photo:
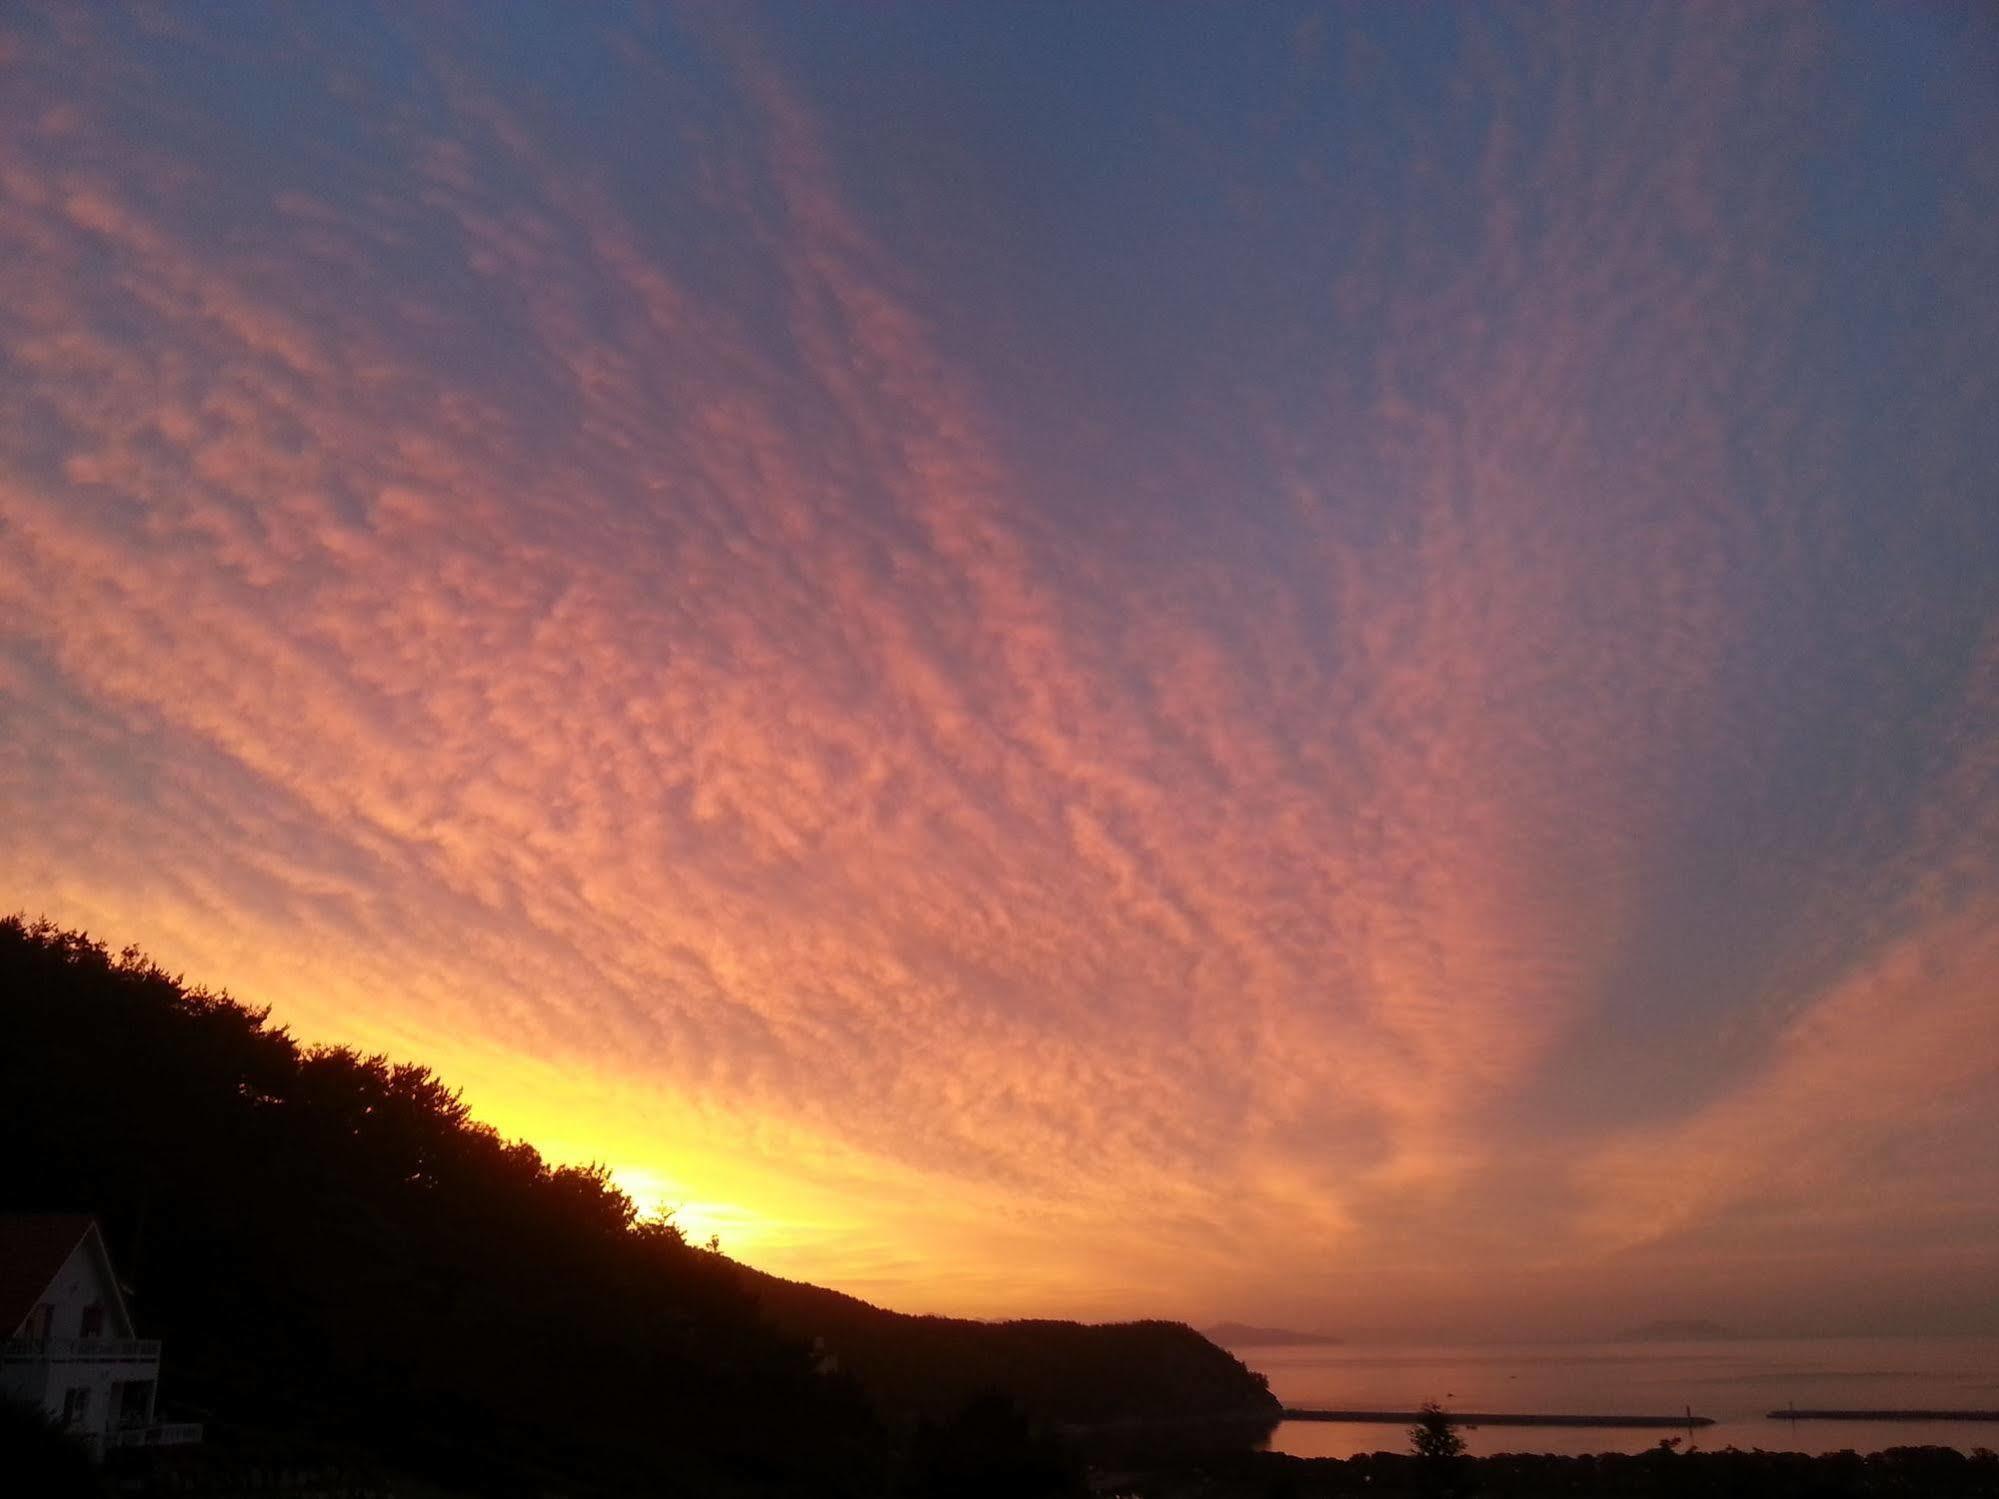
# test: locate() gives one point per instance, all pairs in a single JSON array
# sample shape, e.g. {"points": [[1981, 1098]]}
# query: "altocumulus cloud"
{"points": [[531, 551]]}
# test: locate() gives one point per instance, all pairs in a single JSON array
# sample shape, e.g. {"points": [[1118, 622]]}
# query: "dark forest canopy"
{"points": [[333, 1249], [330, 1247]]}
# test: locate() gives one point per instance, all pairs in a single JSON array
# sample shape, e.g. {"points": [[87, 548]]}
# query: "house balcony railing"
{"points": [[81, 1350], [163, 1434]]}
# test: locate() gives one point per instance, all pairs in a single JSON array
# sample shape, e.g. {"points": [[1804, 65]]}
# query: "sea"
{"points": [[1736, 1383]]}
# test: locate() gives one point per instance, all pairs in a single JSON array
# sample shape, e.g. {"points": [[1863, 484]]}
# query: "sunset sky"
{"points": [[1329, 665]]}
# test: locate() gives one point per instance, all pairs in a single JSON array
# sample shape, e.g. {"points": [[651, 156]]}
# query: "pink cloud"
{"points": [[687, 725]]}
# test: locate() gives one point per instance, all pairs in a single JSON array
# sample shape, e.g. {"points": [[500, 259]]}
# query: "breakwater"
{"points": [[1787, 1414], [1501, 1418]]}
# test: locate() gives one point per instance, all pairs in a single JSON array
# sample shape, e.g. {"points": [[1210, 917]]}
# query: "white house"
{"points": [[69, 1347]]}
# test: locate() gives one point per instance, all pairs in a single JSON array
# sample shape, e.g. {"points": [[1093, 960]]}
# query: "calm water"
{"points": [[1734, 1382]]}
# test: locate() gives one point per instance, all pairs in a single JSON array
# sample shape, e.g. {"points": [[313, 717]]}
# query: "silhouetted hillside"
{"points": [[339, 1258], [332, 1249], [1065, 1372]]}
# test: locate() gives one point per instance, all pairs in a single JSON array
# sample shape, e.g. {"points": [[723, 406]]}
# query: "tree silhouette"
{"points": [[1434, 1436], [991, 1450]]}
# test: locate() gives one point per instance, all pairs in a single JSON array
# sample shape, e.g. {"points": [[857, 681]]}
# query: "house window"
{"points": [[75, 1407], [93, 1321], [135, 1402]]}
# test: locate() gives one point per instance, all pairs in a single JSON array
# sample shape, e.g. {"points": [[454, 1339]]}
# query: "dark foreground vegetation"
{"points": [[1899, 1473], [352, 1276]]}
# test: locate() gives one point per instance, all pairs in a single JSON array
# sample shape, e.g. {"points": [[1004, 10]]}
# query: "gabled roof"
{"points": [[33, 1248]]}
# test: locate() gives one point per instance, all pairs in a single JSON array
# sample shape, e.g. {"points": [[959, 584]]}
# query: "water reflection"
{"points": [[1734, 1383]]}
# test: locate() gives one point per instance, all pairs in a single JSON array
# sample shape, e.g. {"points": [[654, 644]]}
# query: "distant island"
{"points": [[1243, 1335], [1674, 1330], [1071, 1373]]}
